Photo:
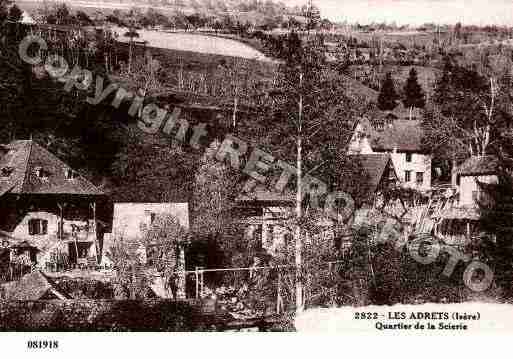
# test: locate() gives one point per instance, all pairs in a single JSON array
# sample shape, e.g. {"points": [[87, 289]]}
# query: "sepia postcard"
{"points": [[323, 166]]}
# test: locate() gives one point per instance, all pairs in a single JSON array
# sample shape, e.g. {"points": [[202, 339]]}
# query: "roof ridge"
{"points": [[68, 166], [26, 170]]}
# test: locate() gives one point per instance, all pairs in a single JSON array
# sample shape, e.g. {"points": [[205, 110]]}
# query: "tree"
{"points": [[153, 18], [343, 58], [131, 34], [62, 14], [307, 118], [132, 24], [473, 111], [214, 194], [83, 19], [144, 74], [15, 13], [313, 14], [457, 30], [4, 9], [165, 242], [387, 99], [413, 94], [441, 90], [131, 280]]}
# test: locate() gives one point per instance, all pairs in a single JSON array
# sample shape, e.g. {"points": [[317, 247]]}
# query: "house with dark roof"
{"points": [[267, 214], [401, 138], [48, 210], [370, 176]]}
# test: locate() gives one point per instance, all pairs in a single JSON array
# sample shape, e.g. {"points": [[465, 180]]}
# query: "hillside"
{"points": [[244, 11]]}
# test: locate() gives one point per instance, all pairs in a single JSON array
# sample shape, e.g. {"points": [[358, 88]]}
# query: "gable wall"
{"points": [[129, 217], [419, 163], [468, 184]]}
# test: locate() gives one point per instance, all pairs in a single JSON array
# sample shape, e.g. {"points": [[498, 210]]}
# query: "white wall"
{"points": [[50, 241], [419, 163], [22, 229], [128, 217], [359, 143], [468, 184]]}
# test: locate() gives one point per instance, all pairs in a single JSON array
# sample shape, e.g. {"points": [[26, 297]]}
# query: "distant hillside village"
{"points": [[98, 203]]}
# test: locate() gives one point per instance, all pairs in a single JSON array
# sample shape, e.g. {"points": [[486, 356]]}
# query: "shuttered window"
{"points": [[37, 226]]}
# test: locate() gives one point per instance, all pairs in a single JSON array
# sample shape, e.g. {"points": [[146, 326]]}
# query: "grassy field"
{"points": [[195, 43]]}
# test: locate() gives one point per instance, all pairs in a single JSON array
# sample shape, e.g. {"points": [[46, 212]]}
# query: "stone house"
{"points": [[49, 212], [402, 139]]}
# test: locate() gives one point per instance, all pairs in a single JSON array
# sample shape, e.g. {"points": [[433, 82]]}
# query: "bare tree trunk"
{"points": [[299, 163], [130, 55], [235, 104], [180, 293]]}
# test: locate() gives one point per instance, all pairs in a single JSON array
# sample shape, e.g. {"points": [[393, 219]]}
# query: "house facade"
{"points": [[469, 175], [460, 221], [136, 206], [402, 139], [131, 219], [268, 216], [51, 216], [264, 216]]}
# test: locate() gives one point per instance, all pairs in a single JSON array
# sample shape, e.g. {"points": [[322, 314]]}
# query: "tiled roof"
{"points": [[21, 160], [399, 134], [478, 165], [33, 286], [261, 194], [363, 179]]}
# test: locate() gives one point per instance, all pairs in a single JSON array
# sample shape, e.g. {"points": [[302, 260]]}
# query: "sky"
{"points": [[416, 12]]}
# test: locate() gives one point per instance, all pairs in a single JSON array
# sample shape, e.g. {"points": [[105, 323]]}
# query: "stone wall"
{"points": [[100, 315]]}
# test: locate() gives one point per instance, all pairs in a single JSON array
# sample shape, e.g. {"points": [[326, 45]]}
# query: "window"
{"points": [[407, 176], [419, 178], [69, 174], [479, 196], [6, 171], [40, 172], [150, 217], [408, 157], [476, 196], [380, 125], [38, 226]]}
